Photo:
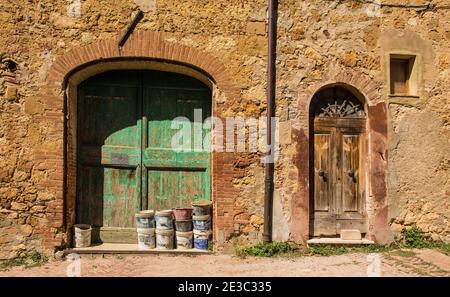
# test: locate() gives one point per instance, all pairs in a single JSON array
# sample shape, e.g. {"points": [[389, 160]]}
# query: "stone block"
{"points": [[350, 234], [11, 93], [18, 206], [27, 230], [258, 28], [33, 106]]}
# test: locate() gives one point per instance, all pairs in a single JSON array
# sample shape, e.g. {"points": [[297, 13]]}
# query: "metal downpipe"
{"points": [[271, 87]]}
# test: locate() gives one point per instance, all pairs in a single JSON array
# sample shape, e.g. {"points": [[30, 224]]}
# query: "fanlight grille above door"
{"points": [[337, 102], [345, 109]]}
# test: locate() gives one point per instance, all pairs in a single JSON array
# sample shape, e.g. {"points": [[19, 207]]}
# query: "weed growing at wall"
{"points": [[269, 250], [413, 238], [292, 250], [445, 248], [33, 259], [210, 246]]}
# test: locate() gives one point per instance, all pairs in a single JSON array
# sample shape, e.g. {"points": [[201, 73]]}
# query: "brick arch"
{"points": [[142, 44], [353, 90], [363, 87], [53, 156]]}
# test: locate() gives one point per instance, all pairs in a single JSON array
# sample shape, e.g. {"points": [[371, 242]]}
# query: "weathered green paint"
{"points": [[175, 178], [125, 157]]}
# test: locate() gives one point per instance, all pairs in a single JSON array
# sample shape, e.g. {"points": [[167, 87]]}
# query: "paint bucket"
{"points": [[202, 223], [182, 214], [164, 239], [82, 235], [183, 226], [184, 240], [201, 239], [164, 219], [202, 208], [146, 238], [145, 219]]}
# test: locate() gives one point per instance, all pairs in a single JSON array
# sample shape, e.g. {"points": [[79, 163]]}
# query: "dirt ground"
{"points": [[395, 263]]}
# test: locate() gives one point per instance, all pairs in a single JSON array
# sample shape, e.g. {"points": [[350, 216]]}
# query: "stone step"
{"points": [[122, 248], [339, 241]]}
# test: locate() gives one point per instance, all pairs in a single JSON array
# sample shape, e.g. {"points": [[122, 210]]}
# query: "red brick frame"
{"points": [[51, 156], [369, 92]]}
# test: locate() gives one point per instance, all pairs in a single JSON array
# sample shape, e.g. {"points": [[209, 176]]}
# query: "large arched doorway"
{"points": [[126, 161], [338, 163]]}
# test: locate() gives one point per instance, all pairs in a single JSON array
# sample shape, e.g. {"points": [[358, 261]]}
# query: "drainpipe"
{"points": [[271, 85]]}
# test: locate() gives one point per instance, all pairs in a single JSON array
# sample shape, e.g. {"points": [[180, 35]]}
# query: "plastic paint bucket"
{"points": [[164, 220], [182, 214], [145, 219], [202, 208], [164, 239], [146, 238], [201, 239], [184, 240], [202, 223], [183, 226], [82, 235]]}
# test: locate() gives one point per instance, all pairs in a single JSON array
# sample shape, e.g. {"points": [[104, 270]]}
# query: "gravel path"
{"points": [[412, 263]]}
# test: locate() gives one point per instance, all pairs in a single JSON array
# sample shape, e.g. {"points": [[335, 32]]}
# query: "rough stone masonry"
{"points": [[320, 42]]}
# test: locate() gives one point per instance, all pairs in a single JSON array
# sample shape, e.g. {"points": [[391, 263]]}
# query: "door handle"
{"points": [[351, 174], [321, 174]]}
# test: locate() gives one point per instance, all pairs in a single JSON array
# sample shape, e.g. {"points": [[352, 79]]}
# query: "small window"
{"points": [[401, 75]]}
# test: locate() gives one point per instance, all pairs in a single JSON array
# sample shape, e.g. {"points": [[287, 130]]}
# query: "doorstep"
{"points": [[338, 241], [125, 248]]}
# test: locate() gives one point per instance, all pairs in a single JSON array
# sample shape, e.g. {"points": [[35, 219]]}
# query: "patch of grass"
{"points": [[268, 250], [291, 250], [445, 248], [335, 250], [7, 264], [37, 257], [413, 238], [210, 246], [33, 259], [419, 271], [325, 250], [405, 253]]}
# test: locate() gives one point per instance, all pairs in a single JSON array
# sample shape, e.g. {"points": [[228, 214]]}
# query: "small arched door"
{"points": [[126, 162], [337, 121]]}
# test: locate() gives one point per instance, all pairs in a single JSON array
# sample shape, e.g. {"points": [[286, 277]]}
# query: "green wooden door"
{"points": [[175, 178], [125, 158]]}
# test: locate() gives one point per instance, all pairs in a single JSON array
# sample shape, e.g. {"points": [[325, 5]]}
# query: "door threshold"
{"points": [[126, 248], [338, 241]]}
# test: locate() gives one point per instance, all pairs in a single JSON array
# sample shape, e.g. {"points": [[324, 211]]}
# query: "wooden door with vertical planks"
{"points": [[175, 177], [338, 168], [126, 161]]}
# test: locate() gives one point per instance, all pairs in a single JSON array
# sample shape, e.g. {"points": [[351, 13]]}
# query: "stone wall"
{"points": [[320, 39], [318, 42]]}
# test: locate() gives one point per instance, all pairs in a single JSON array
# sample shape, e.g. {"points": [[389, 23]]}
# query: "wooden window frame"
{"points": [[409, 68]]}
